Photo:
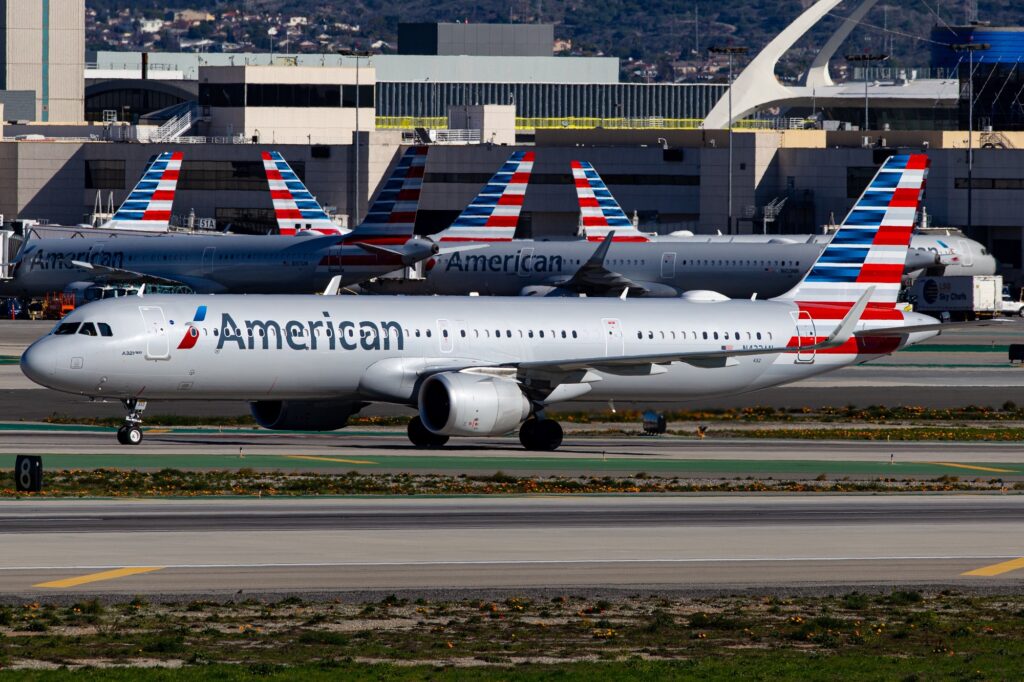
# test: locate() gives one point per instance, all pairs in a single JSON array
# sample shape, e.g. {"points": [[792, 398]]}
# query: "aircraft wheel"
{"points": [[422, 437], [527, 434], [543, 435], [129, 435], [548, 435]]}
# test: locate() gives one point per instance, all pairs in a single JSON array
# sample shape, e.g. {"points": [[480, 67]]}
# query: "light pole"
{"points": [[731, 51], [357, 54], [866, 59], [970, 49]]}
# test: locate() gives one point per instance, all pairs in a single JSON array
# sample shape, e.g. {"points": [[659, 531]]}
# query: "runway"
{"points": [[390, 451], [426, 546]]}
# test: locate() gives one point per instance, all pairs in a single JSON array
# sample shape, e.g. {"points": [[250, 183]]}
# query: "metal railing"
{"points": [[583, 123]]}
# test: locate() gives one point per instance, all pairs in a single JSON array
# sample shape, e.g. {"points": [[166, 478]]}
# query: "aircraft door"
{"points": [[334, 260], [966, 253], [444, 336], [614, 343], [157, 343], [209, 254], [668, 265], [806, 336], [525, 262]]}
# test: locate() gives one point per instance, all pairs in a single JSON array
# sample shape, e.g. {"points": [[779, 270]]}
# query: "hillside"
{"points": [[654, 31]]}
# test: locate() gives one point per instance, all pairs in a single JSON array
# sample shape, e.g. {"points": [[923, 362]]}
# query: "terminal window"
{"points": [[104, 174], [229, 175]]}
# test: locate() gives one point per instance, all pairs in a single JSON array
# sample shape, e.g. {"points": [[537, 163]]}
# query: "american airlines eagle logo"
{"points": [[191, 331]]}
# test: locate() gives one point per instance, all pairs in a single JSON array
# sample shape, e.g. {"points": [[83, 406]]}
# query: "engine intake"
{"points": [[303, 415], [458, 404]]}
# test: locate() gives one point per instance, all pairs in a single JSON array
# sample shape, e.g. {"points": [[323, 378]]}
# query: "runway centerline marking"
{"points": [[973, 467], [330, 459], [97, 577], [997, 569]]}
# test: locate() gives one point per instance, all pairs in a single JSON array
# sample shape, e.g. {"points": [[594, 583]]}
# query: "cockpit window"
{"points": [[88, 329], [104, 329], [67, 328]]}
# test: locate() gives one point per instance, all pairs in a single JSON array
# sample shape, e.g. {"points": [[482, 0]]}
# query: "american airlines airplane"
{"points": [[483, 367], [646, 267], [933, 251], [242, 263]]}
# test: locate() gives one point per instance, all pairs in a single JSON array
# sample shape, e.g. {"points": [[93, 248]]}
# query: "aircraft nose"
{"points": [[39, 362]]}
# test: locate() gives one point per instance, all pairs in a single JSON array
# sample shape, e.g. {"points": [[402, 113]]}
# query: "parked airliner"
{"points": [[483, 367], [568, 267], [933, 251], [244, 263]]}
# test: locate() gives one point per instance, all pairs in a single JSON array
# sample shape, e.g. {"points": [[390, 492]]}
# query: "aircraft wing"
{"points": [[714, 358], [594, 279], [107, 273]]}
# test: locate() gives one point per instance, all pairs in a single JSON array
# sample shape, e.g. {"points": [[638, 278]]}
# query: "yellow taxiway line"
{"points": [[973, 467], [997, 569], [96, 577], [330, 459]]}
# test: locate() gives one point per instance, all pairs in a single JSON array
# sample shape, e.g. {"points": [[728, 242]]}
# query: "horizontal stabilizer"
{"points": [[939, 327]]}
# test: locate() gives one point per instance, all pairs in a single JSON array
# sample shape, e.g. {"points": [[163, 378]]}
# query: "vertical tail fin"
{"points": [[392, 215], [870, 248], [148, 206], [492, 216], [600, 211], [295, 207]]}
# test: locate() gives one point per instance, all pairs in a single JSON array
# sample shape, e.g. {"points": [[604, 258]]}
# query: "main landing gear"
{"points": [[131, 432], [422, 437], [544, 435]]}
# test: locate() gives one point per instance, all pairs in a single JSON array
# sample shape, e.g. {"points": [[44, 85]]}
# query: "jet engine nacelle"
{"points": [[416, 250], [461, 404], [303, 415]]}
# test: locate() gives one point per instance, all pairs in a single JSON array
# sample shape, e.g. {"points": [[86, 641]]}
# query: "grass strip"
{"points": [[906, 635], [248, 482]]}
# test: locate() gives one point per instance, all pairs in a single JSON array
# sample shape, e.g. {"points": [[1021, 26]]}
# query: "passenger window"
{"points": [[508, 333], [429, 334], [640, 335], [705, 336], [530, 334], [574, 334], [417, 333], [67, 328], [88, 329], [542, 333], [759, 336], [563, 334], [462, 333], [716, 336]]}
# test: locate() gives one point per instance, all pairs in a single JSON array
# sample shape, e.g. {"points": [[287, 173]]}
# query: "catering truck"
{"points": [[959, 298]]}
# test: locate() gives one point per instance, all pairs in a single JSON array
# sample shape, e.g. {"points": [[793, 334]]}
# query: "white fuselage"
{"points": [[377, 349]]}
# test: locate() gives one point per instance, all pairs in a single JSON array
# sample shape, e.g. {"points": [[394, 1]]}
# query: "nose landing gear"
{"points": [[131, 432]]}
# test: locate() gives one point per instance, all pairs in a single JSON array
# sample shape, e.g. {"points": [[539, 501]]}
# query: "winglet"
{"points": [[333, 287], [601, 252]]}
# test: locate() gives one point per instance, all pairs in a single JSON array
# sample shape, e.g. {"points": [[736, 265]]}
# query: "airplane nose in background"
{"points": [[39, 362]]}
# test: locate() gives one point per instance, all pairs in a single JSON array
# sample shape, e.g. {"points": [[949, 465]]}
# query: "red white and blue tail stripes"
{"points": [[148, 207], [870, 248], [392, 215], [295, 207], [494, 213], [599, 210]]}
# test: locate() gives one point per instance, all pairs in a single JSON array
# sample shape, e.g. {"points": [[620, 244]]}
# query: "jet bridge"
{"points": [[10, 244]]}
